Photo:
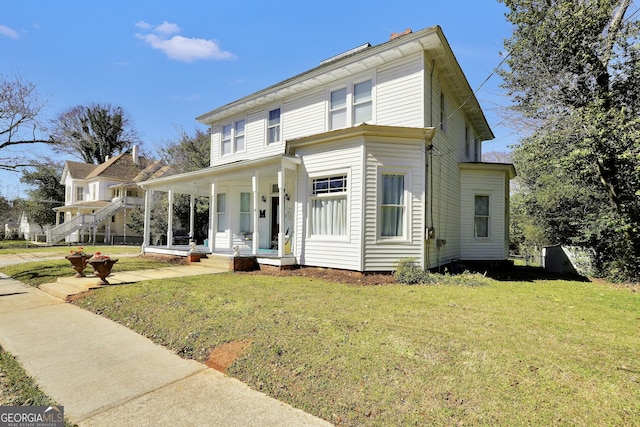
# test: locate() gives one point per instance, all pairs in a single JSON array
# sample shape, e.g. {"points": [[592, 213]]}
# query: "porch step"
{"points": [[221, 262]]}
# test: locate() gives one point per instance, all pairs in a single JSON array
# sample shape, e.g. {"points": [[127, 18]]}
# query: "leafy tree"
{"points": [[572, 70], [185, 154], [19, 124], [94, 133], [45, 194], [188, 153]]}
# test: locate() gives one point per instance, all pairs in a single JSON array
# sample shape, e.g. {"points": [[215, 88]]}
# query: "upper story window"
{"points": [[79, 194], [351, 105], [233, 137], [362, 102], [273, 126]]}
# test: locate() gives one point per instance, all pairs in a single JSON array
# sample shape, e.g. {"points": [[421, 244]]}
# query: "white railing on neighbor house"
{"points": [[61, 231]]}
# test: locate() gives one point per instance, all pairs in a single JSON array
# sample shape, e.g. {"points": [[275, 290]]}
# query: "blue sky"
{"points": [[167, 62]]}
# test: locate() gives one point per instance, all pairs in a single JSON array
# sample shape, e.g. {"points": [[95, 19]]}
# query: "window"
{"points": [[392, 207], [79, 194], [273, 126], [226, 139], [233, 137], [351, 105], [362, 102], [338, 109], [221, 211], [329, 206], [481, 219], [239, 136], [245, 212]]}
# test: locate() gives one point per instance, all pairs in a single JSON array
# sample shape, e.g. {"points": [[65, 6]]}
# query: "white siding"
{"points": [[485, 183], [391, 156], [327, 159], [400, 93], [304, 116]]}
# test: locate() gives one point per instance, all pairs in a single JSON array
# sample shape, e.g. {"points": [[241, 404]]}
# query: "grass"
{"points": [[14, 246], [19, 389], [507, 353], [38, 272]]}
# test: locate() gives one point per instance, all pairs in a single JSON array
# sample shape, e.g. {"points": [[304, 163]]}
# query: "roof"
{"points": [[118, 168], [341, 66]]}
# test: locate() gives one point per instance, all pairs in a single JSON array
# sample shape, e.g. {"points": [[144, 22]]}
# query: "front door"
{"points": [[275, 226]]}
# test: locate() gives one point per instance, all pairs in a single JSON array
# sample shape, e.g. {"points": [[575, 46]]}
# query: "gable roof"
{"points": [[341, 66], [119, 168]]}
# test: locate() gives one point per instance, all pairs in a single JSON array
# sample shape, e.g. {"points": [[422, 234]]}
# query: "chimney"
{"points": [[135, 155], [404, 33]]}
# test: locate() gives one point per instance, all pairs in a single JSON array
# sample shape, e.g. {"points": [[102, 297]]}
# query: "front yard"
{"points": [[503, 353], [476, 351]]}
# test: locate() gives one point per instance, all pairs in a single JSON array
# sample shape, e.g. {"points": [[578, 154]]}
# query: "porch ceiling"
{"points": [[198, 183]]}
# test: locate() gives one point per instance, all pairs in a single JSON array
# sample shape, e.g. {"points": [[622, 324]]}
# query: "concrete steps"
{"points": [[215, 261]]}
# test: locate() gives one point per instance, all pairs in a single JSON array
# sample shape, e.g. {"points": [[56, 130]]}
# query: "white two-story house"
{"points": [[371, 157], [100, 198]]}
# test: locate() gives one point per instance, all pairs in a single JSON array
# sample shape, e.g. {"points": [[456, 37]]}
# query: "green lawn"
{"points": [[506, 353], [15, 246], [38, 272]]}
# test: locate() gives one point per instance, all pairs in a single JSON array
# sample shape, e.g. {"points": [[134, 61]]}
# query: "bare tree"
{"points": [[93, 133], [19, 109]]}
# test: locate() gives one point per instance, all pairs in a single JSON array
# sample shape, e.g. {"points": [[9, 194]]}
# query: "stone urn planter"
{"points": [[102, 268], [79, 263]]}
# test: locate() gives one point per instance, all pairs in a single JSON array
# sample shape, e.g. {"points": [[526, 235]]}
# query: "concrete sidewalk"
{"points": [[104, 374]]}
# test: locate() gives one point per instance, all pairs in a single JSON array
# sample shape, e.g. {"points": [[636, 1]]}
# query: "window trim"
{"points": [[406, 226], [346, 174], [476, 216]]}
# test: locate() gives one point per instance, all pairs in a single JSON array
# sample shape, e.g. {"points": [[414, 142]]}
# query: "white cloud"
{"points": [[6, 31], [143, 25], [186, 49], [167, 28]]}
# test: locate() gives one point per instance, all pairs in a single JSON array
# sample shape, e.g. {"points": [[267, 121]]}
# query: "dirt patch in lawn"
{"points": [[223, 356], [329, 274]]}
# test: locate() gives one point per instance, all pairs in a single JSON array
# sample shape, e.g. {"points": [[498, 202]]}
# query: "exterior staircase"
{"points": [[59, 232]]}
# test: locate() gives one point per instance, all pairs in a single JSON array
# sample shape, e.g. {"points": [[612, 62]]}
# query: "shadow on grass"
{"points": [[528, 274]]}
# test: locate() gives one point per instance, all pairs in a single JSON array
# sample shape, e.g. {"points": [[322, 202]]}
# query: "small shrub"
{"points": [[410, 273]]}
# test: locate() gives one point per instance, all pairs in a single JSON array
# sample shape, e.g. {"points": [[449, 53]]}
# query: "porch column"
{"points": [[280, 213], [148, 195], [256, 235], [170, 219], [212, 218], [192, 217]]}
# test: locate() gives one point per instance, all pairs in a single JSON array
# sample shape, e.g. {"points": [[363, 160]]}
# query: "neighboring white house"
{"points": [[30, 230], [371, 157], [99, 199]]}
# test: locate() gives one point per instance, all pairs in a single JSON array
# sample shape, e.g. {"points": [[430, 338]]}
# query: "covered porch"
{"points": [[239, 209]]}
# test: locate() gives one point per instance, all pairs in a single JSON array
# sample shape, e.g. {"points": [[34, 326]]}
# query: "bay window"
{"points": [[392, 208], [481, 217], [328, 216]]}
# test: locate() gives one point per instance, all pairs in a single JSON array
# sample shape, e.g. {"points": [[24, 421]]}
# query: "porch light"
{"points": [[264, 199], [286, 197]]}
